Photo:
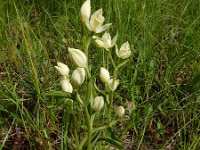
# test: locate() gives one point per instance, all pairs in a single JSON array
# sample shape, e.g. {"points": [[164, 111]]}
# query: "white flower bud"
{"points": [[124, 51], [78, 76], [98, 103], [86, 10], [62, 69], [66, 85], [113, 86], [105, 76], [78, 57], [119, 112]]}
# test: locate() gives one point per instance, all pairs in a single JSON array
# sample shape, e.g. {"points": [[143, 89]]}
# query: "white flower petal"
{"points": [[86, 10], [114, 40], [100, 43], [107, 39], [103, 28]]}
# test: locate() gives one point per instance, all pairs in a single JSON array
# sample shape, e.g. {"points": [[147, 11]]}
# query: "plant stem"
{"points": [[89, 123], [111, 94], [110, 107], [104, 127], [86, 42]]}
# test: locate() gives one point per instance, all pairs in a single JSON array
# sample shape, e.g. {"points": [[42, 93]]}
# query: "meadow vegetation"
{"points": [[159, 82]]}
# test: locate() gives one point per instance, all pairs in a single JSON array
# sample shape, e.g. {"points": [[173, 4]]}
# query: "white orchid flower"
{"points": [[106, 41], [124, 51], [95, 22]]}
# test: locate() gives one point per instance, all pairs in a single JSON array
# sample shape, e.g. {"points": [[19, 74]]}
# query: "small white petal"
{"points": [[87, 23], [100, 43], [107, 39], [114, 40], [103, 28], [86, 10]]}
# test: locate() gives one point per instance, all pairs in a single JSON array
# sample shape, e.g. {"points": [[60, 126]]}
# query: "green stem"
{"points": [[89, 123], [110, 107], [114, 68], [111, 94], [86, 42]]}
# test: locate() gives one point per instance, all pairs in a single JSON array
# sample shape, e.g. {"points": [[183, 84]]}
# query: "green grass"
{"points": [[161, 81]]}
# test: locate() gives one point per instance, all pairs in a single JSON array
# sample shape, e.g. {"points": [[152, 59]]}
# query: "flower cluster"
{"points": [[94, 23], [78, 75]]}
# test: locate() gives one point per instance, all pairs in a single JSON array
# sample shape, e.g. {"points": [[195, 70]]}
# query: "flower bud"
{"points": [[66, 85], [124, 51], [98, 103], [78, 76], [62, 69], [104, 75], [86, 10], [119, 112], [78, 57], [113, 86]]}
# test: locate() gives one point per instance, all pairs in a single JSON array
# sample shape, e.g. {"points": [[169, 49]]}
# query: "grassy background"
{"points": [[160, 83]]}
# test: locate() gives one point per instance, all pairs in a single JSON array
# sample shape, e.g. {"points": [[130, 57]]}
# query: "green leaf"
{"points": [[112, 141], [57, 94]]}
